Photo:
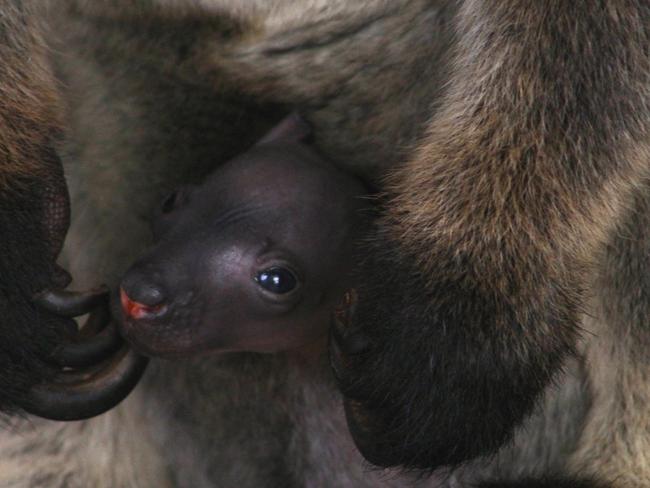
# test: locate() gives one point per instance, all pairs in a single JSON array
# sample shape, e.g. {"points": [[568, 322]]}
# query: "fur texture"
{"points": [[523, 174], [502, 290]]}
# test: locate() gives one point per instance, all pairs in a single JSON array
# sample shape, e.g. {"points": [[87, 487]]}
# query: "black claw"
{"points": [[96, 340], [71, 303], [80, 394], [96, 322], [88, 351], [95, 374]]}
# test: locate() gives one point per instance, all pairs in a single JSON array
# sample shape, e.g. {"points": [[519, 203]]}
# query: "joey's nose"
{"points": [[141, 298]]}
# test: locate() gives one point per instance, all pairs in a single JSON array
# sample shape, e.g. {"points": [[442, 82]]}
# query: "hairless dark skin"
{"points": [[254, 259]]}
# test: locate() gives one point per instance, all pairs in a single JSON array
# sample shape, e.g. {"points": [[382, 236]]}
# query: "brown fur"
{"points": [[532, 163], [508, 137], [29, 112]]}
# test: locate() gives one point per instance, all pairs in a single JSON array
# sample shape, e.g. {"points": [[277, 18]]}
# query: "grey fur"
{"points": [[156, 92]]}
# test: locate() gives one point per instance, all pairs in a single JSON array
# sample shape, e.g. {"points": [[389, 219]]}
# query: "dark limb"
{"points": [[48, 367], [36, 350], [469, 290]]}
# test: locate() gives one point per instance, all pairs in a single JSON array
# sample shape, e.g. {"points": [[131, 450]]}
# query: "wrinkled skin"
{"points": [[254, 259]]}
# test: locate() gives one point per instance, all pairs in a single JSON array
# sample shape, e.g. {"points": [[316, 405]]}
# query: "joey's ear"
{"points": [[293, 128]]}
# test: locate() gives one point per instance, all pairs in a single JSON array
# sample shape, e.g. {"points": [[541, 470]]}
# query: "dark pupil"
{"points": [[277, 280]]}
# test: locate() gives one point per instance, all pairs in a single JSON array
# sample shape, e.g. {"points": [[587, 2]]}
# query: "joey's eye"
{"points": [[277, 280]]}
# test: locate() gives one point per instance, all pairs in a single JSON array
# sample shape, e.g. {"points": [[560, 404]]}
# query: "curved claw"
{"points": [[97, 321], [88, 384], [77, 395], [98, 338], [71, 303], [88, 351]]}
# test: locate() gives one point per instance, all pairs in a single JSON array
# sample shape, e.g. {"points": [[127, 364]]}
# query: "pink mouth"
{"points": [[136, 311]]}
